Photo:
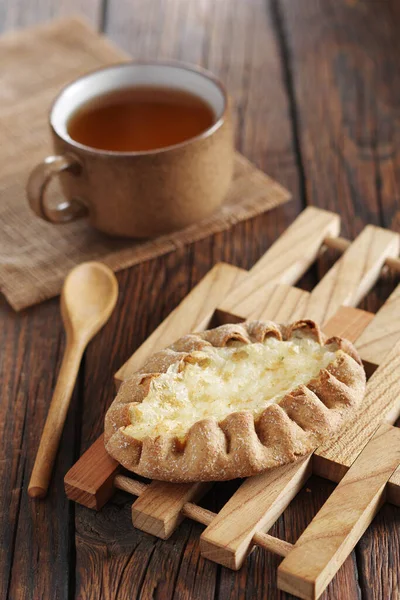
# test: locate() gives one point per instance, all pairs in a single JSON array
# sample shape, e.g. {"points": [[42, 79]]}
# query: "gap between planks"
{"points": [[204, 516], [341, 245]]}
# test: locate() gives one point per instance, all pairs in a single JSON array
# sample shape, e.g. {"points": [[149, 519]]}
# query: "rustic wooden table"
{"points": [[316, 87]]}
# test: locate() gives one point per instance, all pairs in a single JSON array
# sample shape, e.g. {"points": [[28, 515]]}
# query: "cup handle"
{"points": [[66, 211]]}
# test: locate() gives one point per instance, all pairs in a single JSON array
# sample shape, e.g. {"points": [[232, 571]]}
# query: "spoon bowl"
{"points": [[88, 298]]}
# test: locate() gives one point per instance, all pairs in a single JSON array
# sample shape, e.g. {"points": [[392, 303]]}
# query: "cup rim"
{"points": [[171, 63]]}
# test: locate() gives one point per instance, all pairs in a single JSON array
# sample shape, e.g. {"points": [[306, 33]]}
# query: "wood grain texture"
{"points": [[34, 551], [36, 538], [159, 509], [353, 275], [52, 431], [161, 512], [261, 567], [282, 303], [192, 314], [262, 499], [239, 294], [285, 262], [88, 298], [255, 507], [375, 555], [351, 322], [383, 333], [192, 510], [393, 491], [90, 481], [341, 143], [16, 14], [340, 523]]}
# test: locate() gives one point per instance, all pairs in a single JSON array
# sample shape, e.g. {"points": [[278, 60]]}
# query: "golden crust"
{"points": [[239, 446]]}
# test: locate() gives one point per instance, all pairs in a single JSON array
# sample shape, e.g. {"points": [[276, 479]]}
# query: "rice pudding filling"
{"points": [[215, 382]]}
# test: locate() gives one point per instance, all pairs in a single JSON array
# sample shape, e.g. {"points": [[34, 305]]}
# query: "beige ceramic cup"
{"points": [[137, 194]]}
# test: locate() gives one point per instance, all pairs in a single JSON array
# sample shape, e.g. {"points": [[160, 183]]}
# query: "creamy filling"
{"points": [[220, 381]]}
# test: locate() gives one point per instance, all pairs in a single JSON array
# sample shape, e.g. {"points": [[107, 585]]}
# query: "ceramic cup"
{"points": [[137, 194]]}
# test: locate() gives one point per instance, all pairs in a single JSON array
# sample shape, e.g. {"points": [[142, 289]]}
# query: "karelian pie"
{"points": [[234, 401]]}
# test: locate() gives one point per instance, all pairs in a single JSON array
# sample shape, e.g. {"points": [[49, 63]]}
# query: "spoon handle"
{"points": [[54, 425]]}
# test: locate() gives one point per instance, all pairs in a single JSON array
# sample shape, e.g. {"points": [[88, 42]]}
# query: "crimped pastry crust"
{"points": [[240, 445]]}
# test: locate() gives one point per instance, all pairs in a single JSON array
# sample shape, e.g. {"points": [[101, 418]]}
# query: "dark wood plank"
{"points": [[335, 88], [378, 556], [36, 552], [15, 14]]}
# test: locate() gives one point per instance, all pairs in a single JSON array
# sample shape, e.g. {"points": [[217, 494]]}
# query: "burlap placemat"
{"points": [[36, 256]]}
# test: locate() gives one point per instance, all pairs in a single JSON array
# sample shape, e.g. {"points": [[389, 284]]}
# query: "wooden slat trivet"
{"points": [[230, 294]]}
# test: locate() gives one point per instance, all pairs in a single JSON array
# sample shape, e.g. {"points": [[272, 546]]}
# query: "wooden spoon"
{"points": [[87, 300]]}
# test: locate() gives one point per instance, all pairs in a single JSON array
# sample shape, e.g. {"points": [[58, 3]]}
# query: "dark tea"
{"points": [[140, 118]]}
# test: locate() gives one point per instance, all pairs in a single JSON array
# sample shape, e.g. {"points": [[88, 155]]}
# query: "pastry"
{"points": [[234, 401]]}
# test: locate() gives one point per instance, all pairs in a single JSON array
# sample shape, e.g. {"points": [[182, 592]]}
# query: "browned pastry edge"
{"points": [[239, 446]]}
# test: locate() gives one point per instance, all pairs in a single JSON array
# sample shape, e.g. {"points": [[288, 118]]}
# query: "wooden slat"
{"points": [[353, 275], [229, 536], [285, 262], [384, 331], [351, 322], [192, 314], [341, 244], [260, 500], [381, 404], [90, 481], [335, 530], [159, 509], [281, 304]]}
